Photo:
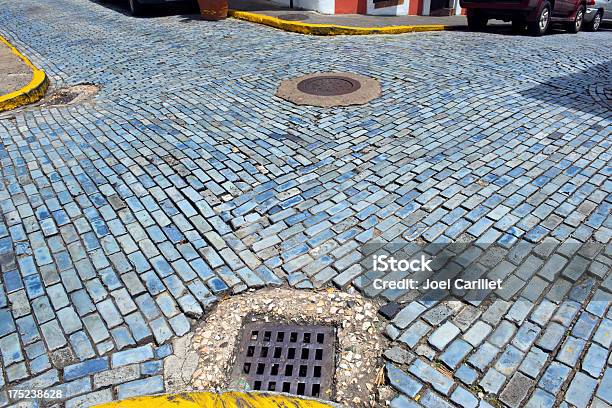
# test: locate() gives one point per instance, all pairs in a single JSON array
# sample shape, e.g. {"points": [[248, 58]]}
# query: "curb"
{"points": [[215, 400], [333, 29], [32, 92]]}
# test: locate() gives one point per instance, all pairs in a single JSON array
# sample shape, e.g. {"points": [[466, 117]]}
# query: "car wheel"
{"points": [[518, 25], [476, 21], [135, 7], [576, 25], [594, 24], [541, 24]]}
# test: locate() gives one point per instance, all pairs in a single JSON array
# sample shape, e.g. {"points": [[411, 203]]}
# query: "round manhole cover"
{"points": [[293, 17], [329, 89], [329, 85]]}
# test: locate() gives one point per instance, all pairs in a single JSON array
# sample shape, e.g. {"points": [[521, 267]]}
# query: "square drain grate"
{"points": [[287, 358]]}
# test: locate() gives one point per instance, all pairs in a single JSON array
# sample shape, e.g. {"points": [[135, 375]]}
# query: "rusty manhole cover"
{"points": [[329, 85], [287, 358], [329, 89], [293, 17]]}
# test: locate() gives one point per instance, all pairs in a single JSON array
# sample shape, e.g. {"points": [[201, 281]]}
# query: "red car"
{"points": [[537, 15]]}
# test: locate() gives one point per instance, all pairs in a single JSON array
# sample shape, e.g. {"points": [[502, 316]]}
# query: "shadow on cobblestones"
{"points": [[579, 90]]}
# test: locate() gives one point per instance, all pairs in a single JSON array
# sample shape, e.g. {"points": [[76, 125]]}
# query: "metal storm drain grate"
{"points": [[287, 358], [328, 85]]}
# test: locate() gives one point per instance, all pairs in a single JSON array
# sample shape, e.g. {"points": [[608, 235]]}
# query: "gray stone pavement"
{"points": [[14, 73], [125, 218]]}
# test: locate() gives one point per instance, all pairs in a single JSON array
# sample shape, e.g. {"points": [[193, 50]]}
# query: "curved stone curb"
{"points": [[32, 92], [222, 400], [332, 29]]}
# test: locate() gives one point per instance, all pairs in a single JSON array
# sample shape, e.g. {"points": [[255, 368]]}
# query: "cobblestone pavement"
{"points": [[125, 218]]}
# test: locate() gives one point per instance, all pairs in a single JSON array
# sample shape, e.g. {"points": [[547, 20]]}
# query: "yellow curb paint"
{"points": [[214, 400], [332, 29], [32, 92]]}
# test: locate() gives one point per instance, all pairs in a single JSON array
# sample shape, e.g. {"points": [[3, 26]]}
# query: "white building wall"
{"points": [[400, 10], [321, 6]]}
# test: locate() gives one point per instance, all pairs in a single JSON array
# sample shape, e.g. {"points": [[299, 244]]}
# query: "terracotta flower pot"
{"points": [[213, 9]]}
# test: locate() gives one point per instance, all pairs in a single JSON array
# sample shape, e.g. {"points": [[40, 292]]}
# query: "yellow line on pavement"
{"points": [[214, 400], [332, 29], [32, 92]]}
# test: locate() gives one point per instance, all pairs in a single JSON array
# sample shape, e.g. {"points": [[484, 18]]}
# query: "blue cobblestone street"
{"points": [[125, 218]]}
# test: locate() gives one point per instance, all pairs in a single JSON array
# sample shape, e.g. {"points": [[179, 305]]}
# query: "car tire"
{"points": [[575, 26], [476, 21], [542, 22], [594, 24], [136, 8]]}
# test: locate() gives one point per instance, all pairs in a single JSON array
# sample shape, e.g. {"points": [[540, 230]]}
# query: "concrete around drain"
{"points": [[71, 95], [204, 362], [357, 89]]}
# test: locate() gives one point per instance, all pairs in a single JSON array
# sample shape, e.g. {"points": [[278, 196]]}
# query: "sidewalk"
{"points": [[311, 22], [20, 82]]}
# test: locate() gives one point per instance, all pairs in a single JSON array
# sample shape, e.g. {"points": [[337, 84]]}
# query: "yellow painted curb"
{"points": [[333, 29], [32, 92], [214, 400]]}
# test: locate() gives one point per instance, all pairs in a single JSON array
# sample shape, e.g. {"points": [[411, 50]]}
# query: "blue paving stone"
{"points": [[483, 356], [464, 398], [551, 337], [12, 281], [455, 353], [603, 335], [27, 329], [502, 334], [217, 285], [7, 324], [122, 337], [151, 385], [402, 382], [604, 391], [161, 331], [424, 372], [10, 348], [570, 351], [163, 351], [40, 364], [534, 362], [81, 345], [131, 356], [151, 367], [16, 372], [554, 377], [509, 360], [492, 381], [595, 360], [431, 400], [526, 336], [138, 327], [580, 390], [443, 335], [88, 367], [180, 325], [540, 399], [466, 374], [415, 333], [403, 402], [584, 326]]}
